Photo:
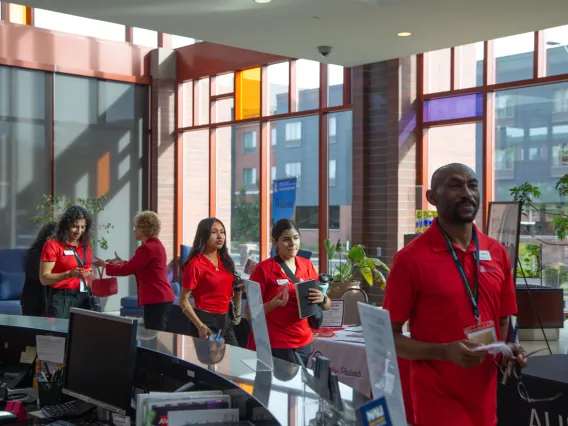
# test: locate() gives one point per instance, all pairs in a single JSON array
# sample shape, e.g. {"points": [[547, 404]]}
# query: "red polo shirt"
{"points": [[65, 260], [285, 328], [150, 266], [425, 288], [211, 289]]}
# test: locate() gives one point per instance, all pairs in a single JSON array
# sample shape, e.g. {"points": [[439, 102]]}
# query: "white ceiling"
{"points": [[360, 31]]}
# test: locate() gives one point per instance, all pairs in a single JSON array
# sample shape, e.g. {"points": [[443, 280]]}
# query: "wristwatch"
{"points": [[324, 300]]}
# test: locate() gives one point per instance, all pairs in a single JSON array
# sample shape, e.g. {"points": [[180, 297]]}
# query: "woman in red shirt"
{"points": [[66, 263], [149, 264], [209, 275], [288, 333]]}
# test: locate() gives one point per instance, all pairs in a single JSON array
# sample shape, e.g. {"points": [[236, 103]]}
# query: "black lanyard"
{"points": [[80, 263], [472, 294]]}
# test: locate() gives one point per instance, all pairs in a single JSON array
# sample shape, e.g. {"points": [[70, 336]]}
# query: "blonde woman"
{"points": [[149, 264]]}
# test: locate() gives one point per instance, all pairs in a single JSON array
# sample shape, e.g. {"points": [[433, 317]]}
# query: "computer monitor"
{"points": [[100, 358]]}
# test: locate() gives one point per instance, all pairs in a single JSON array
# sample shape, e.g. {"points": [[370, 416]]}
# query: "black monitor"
{"points": [[100, 358]]}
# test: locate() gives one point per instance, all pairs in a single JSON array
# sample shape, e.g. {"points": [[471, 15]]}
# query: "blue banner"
{"points": [[283, 198]]}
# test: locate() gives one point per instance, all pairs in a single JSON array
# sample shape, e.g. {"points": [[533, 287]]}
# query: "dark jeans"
{"points": [[156, 316], [61, 301], [216, 323], [289, 354]]}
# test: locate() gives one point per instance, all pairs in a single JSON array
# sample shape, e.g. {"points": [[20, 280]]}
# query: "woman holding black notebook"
{"points": [[289, 334]]}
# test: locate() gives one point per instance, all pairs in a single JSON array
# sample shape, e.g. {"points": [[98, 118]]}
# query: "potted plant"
{"points": [[351, 262]]}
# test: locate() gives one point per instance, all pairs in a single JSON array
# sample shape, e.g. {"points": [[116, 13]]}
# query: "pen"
{"points": [[46, 368]]}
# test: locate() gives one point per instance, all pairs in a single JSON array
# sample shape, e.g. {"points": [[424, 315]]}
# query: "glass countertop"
{"points": [[282, 388]]}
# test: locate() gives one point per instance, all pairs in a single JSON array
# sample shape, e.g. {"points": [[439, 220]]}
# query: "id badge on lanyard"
{"points": [[484, 331]]}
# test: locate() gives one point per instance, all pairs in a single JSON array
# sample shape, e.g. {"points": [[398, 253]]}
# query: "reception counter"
{"points": [[165, 362]]}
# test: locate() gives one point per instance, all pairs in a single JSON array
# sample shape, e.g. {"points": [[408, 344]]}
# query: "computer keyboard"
{"points": [[67, 410]]}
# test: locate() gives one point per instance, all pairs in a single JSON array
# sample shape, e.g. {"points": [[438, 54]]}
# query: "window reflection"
{"points": [[514, 58]]}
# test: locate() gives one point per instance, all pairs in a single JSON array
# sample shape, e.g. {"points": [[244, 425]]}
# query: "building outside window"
{"points": [[332, 130], [249, 142], [294, 134], [249, 177], [561, 100], [332, 172], [294, 170]]}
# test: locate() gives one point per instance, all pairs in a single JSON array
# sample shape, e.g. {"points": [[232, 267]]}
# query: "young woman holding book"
{"points": [[209, 275], [288, 333]]}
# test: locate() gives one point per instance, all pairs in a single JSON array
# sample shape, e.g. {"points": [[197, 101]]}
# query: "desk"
{"points": [[348, 359], [166, 361]]}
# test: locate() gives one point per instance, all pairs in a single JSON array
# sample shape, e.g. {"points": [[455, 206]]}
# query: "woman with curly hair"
{"points": [[209, 275], [66, 263], [149, 264]]}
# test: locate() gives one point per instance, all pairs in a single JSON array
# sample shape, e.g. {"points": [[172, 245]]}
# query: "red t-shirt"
{"points": [[285, 328], [425, 288], [65, 260], [211, 289]]}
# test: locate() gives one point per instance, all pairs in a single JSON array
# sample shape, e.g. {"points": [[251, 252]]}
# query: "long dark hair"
{"points": [[44, 234], [203, 234], [68, 218], [282, 226]]}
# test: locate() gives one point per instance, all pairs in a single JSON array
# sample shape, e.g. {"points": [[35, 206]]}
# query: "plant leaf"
{"points": [[356, 254], [367, 274]]}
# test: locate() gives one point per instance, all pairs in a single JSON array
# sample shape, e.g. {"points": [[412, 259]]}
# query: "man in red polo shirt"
{"points": [[455, 287]]}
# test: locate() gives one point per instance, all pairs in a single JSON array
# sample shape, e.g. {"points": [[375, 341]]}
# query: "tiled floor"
{"points": [[559, 346]]}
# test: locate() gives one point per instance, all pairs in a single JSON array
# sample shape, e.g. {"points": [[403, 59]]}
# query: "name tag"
{"points": [[68, 253], [281, 282], [484, 255]]}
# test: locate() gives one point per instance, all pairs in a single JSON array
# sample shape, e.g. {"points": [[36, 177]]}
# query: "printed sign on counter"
{"points": [[333, 317]]}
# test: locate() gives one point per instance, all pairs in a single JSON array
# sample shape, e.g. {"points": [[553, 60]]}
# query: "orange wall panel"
{"points": [[47, 50]]}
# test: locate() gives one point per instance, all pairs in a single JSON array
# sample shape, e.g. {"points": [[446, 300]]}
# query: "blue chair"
{"points": [[12, 277], [129, 304]]}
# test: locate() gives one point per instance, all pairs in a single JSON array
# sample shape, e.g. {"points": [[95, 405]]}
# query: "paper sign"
{"points": [[333, 317], [29, 355], [375, 413], [50, 348], [263, 360], [381, 360]]}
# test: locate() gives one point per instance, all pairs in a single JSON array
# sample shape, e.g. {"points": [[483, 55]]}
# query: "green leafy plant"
{"points": [[245, 211], [52, 207], [526, 193], [353, 261]]}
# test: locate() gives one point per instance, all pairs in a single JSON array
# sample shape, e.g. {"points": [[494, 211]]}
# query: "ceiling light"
{"points": [[404, 34], [262, 1]]}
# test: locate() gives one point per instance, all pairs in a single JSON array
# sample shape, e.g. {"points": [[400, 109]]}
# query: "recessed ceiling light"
{"points": [[404, 34], [262, 1]]}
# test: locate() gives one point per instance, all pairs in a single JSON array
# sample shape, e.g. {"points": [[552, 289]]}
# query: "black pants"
{"points": [[156, 316], [61, 301], [289, 354], [216, 323]]}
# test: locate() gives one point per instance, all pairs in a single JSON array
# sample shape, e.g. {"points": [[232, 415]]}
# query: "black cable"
{"points": [[534, 306]]}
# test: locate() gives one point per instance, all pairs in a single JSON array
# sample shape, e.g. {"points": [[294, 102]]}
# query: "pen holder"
{"points": [[49, 393]]}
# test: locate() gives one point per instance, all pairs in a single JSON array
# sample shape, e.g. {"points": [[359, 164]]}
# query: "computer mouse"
{"points": [[7, 418]]}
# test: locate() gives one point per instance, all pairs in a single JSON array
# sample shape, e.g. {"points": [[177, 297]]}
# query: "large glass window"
{"points": [[530, 146], [556, 45], [460, 143], [470, 59], [25, 133], [78, 25], [307, 84], [195, 181], [238, 196], [334, 85], [278, 88], [440, 71], [101, 143], [514, 58], [143, 37], [340, 175], [299, 160]]}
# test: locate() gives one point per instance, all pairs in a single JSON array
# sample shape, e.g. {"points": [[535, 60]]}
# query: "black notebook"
{"points": [[305, 307]]}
